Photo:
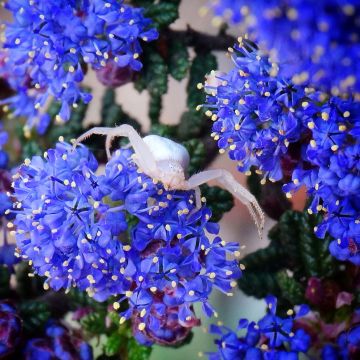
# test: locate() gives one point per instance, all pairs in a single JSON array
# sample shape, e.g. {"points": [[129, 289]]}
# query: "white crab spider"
{"points": [[167, 161]]}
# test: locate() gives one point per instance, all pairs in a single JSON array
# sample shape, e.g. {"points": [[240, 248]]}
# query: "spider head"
{"points": [[171, 174]]}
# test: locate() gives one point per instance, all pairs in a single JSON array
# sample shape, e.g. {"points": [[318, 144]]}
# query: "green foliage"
{"points": [[270, 196], [113, 344], [191, 125], [168, 131], [155, 108], [34, 314], [197, 152], [259, 284], [95, 323], [28, 287], [291, 289], [137, 351], [293, 247], [218, 200], [163, 12], [307, 254], [69, 130], [179, 63], [4, 282], [202, 64]]}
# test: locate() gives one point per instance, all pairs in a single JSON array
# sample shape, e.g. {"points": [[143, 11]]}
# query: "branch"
{"points": [[201, 41]]}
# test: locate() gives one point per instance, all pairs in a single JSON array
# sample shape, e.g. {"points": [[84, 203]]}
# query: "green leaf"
{"points": [[113, 344], [270, 196], [218, 200], [4, 282], [191, 125], [95, 323], [202, 65], [34, 314], [31, 148], [168, 131], [163, 13], [28, 287], [197, 152], [291, 289], [154, 73], [137, 351], [259, 284], [179, 63], [307, 254], [155, 108]]}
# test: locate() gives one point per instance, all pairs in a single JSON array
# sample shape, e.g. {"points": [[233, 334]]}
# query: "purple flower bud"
{"points": [[114, 76]]}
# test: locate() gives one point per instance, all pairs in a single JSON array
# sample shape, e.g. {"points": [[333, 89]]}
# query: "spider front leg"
{"points": [[144, 157], [229, 182]]}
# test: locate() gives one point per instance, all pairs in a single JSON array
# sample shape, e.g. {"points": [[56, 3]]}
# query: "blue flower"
{"points": [[49, 44], [318, 42], [10, 329], [59, 344], [71, 225], [331, 173], [270, 338], [254, 112], [65, 226], [347, 346]]}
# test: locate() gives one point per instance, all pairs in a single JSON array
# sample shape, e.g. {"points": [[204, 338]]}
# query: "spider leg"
{"points": [[197, 197], [144, 157], [229, 182]]}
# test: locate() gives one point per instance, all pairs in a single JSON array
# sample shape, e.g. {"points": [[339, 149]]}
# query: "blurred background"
{"points": [[236, 225]]}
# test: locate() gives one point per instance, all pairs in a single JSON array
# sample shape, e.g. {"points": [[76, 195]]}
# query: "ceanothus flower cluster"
{"points": [[58, 343], [331, 173], [347, 346], [289, 132], [121, 234], [272, 337], [318, 41], [50, 44], [254, 112]]}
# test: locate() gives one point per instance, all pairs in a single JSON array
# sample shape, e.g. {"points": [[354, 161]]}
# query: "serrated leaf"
{"points": [[201, 65], [291, 289], [34, 314], [259, 284], [168, 131], [179, 63], [270, 196], [197, 152], [155, 107], [163, 13], [113, 344], [218, 200], [307, 254], [191, 125], [137, 351]]}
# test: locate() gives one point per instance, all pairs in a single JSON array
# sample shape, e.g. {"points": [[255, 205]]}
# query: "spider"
{"points": [[167, 161]]}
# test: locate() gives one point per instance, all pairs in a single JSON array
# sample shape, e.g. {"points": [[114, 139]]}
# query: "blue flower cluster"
{"points": [[72, 226], [10, 329], [291, 132], [57, 344], [331, 173], [50, 44], [254, 112], [347, 346], [272, 337], [7, 257], [318, 41]]}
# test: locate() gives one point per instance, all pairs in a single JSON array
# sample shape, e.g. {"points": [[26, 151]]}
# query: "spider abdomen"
{"points": [[164, 149]]}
